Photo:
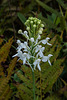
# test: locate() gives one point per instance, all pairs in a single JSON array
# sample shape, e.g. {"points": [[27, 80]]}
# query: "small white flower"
{"points": [[40, 54], [37, 63], [46, 58], [26, 47], [32, 39], [39, 48], [25, 43], [22, 56], [25, 56], [22, 46], [46, 41], [18, 42], [19, 54], [39, 37]]}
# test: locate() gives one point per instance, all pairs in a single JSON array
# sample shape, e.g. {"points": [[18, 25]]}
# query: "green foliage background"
{"points": [[16, 79]]}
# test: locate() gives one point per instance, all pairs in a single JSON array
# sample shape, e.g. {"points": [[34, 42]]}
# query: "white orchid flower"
{"points": [[46, 58], [40, 54], [23, 46], [24, 58], [18, 42], [37, 63], [26, 47], [39, 48], [39, 37], [19, 54], [46, 41]]}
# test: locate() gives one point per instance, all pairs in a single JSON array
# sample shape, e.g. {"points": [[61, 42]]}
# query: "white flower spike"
{"points": [[31, 51]]}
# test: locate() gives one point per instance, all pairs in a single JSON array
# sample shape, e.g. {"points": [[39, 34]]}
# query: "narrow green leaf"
{"points": [[66, 15], [57, 21], [62, 23], [60, 2], [48, 8], [46, 1], [21, 17]]}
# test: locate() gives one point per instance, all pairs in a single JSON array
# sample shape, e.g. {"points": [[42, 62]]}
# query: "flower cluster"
{"points": [[34, 27], [31, 51]]}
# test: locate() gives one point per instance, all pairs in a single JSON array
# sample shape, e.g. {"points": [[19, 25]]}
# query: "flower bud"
{"points": [[39, 37], [25, 32], [30, 18], [42, 25], [27, 21], [34, 25], [40, 32], [18, 42], [41, 29], [28, 28], [31, 22], [35, 21], [32, 39], [38, 22], [20, 31]]}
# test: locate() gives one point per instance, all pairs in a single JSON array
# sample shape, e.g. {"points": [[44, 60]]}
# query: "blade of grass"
{"points": [[51, 10], [21, 17]]}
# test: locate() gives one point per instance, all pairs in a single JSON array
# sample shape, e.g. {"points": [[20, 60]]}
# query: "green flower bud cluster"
{"points": [[34, 26]]}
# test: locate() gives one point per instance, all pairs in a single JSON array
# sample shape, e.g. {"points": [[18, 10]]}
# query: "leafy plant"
{"points": [[56, 18], [5, 75]]}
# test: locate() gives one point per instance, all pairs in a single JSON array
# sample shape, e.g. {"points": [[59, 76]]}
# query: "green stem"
{"points": [[33, 76]]}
